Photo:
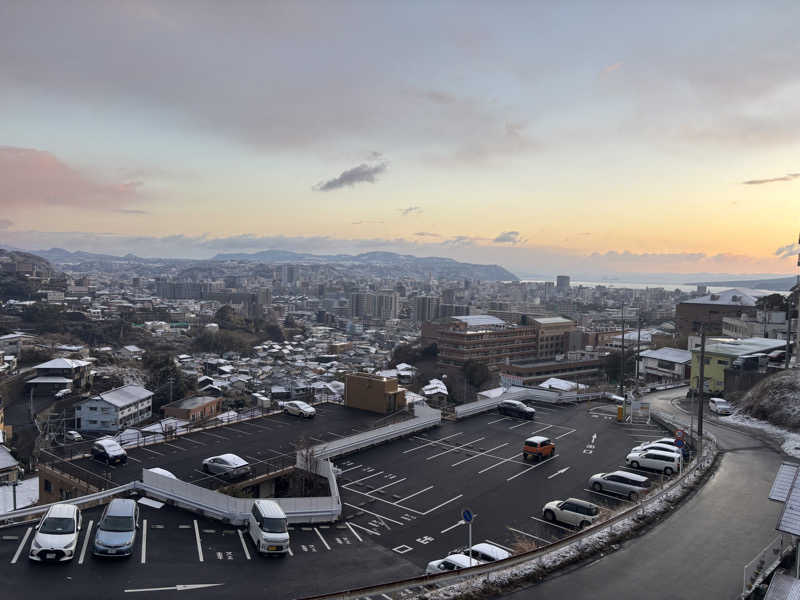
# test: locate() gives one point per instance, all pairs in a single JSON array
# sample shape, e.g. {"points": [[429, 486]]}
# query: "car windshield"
{"points": [[273, 525], [57, 525], [112, 523]]}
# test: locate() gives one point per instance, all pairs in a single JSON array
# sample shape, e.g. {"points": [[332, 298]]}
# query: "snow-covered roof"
{"points": [[405, 367], [435, 386], [479, 320], [552, 320], [62, 363], [125, 395], [744, 346], [6, 460], [675, 355], [733, 296], [53, 380], [554, 383]]}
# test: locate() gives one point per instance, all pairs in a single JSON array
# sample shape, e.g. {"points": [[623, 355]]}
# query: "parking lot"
{"points": [[402, 506], [409, 496], [267, 442]]}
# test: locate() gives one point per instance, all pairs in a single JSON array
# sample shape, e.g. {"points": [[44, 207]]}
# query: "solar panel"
{"points": [[789, 521], [787, 473]]}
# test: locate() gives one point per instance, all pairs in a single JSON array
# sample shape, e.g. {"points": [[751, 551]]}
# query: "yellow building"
{"points": [[720, 355]]}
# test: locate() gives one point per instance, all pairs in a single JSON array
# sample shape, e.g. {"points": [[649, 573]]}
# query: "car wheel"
{"points": [[286, 411], [524, 456], [583, 524], [597, 487], [633, 497], [549, 515], [205, 468], [668, 471], [634, 464]]}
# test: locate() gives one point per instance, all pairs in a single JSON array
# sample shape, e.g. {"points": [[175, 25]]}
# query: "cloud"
{"points": [[427, 234], [410, 211], [788, 250], [508, 237], [787, 177], [31, 178], [612, 68], [6, 224], [363, 173], [131, 211], [367, 223]]}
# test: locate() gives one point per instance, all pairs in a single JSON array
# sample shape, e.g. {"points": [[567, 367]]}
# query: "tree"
{"points": [[773, 302], [611, 365], [476, 373]]}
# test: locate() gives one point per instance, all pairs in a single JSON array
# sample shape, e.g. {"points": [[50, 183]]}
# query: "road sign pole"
{"points": [[469, 543]]}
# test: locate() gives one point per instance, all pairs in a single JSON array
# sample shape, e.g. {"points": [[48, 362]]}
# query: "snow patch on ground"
{"points": [[27, 494], [790, 440]]}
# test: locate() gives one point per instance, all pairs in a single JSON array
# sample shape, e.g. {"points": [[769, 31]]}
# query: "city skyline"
{"points": [[542, 138]]}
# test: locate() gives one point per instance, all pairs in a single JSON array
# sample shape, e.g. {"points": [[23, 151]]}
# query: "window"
{"points": [[92, 421], [48, 487], [94, 408], [722, 362]]}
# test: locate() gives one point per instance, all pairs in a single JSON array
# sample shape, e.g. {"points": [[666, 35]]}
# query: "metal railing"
{"points": [[764, 563]]}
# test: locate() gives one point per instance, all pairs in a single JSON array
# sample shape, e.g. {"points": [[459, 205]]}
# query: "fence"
{"points": [[764, 563], [709, 451]]}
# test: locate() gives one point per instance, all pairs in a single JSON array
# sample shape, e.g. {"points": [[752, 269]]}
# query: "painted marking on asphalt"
{"points": [[351, 525], [350, 469], [553, 524], [498, 420], [458, 524], [431, 442], [430, 487], [188, 439], [335, 434], [144, 541], [442, 504], [530, 535], [504, 460], [403, 549], [85, 542], [10, 538], [372, 513], [479, 454], [151, 451], [199, 546], [311, 437], [368, 495], [617, 498], [253, 458], [21, 545], [176, 588], [290, 552], [221, 437], [383, 487], [520, 424], [536, 466], [559, 472], [385, 597], [362, 479], [322, 538], [506, 548], [181, 448], [134, 459], [464, 447], [558, 437], [244, 545], [353, 531]]}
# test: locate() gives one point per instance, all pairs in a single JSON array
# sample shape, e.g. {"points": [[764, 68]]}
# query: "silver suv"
{"points": [[621, 482]]}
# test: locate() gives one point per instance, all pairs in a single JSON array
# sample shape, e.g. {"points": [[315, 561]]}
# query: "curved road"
{"points": [[700, 550]]}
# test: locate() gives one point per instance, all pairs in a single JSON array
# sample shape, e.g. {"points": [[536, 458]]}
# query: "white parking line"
{"points": [[188, 439], [151, 451], [134, 459], [181, 448], [479, 454], [530, 535], [536, 466], [350, 469], [244, 544], [383, 487], [430, 487], [85, 542], [370, 531], [520, 424], [21, 545], [336, 434], [553, 524], [431, 442], [505, 460], [144, 541], [362, 479], [290, 552], [372, 513], [368, 495], [322, 538], [354, 532], [540, 430], [442, 504], [498, 420], [464, 447], [559, 472], [558, 437], [197, 537], [617, 498], [221, 437], [459, 524]]}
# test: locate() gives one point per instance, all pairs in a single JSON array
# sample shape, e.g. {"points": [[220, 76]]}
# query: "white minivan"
{"points": [[720, 406], [268, 527], [666, 462]]}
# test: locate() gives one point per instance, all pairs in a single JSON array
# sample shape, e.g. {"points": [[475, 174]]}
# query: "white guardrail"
{"points": [[537, 395], [764, 564]]}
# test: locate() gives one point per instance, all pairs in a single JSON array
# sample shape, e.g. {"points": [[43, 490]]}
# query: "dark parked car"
{"points": [[515, 408]]}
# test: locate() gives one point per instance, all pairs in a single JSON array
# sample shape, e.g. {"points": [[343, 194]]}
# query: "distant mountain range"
{"points": [[780, 284], [399, 264]]}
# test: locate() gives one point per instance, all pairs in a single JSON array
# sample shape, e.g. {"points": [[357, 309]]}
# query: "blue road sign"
{"points": [[679, 443], [466, 515]]}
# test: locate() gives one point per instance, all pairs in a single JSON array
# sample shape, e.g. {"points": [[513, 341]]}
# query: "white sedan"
{"points": [[454, 562], [229, 466], [299, 408]]}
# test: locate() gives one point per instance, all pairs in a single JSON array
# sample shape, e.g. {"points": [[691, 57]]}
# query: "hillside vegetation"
{"points": [[775, 399]]}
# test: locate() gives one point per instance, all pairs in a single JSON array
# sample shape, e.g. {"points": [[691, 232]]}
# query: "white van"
{"points": [[720, 406], [666, 462], [268, 527]]}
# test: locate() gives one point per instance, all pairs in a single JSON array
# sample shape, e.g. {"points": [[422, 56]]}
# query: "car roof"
{"points": [[581, 502], [658, 451], [462, 560], [160, 471], [633, 476], [233, 459], [491, 550], [537, 439], [63, 510], [121, 507], [270, 509], [301, 403], [108, 442]]}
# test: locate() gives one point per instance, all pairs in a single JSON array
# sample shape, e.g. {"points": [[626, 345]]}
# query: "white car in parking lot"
{"points": [[454, 562], [666, 462], [299, 408], [571, 511], [229, 466], [56, 534], [484, 552], [656, 446]]}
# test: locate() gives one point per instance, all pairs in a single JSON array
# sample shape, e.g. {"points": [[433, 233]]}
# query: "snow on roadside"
{"points": [[27, 494], [791, 440]]}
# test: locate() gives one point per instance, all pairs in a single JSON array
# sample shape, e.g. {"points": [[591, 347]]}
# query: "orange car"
{"points": [[539, 447]]}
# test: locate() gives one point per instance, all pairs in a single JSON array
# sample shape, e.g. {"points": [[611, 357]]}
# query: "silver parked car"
{"points": [[627, 484], [299, 408], [116, 530], [229, 466]]}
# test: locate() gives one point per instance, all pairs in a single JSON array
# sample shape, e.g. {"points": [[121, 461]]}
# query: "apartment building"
{"points": [[711, 309], [114, 410], [721, 356]]}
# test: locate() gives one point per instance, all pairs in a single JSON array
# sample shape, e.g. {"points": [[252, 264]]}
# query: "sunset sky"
{"points": [[577, 137]]}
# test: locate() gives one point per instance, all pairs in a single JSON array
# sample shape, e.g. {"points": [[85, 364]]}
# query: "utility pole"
{"points": [[638, 347], [701, 388], [788, 331], [622, 355]]}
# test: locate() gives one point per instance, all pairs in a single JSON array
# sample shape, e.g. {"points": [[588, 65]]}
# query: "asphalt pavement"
{"points": [[700, 550]]}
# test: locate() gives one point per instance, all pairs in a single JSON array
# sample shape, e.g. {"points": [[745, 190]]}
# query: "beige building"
{"points": [[373, 393]]}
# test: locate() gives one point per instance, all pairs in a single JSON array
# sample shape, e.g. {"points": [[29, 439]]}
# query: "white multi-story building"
{"points": [[115, 410]]}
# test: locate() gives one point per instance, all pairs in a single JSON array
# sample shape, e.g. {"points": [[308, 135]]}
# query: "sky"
{"points": [[580, 137]]}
